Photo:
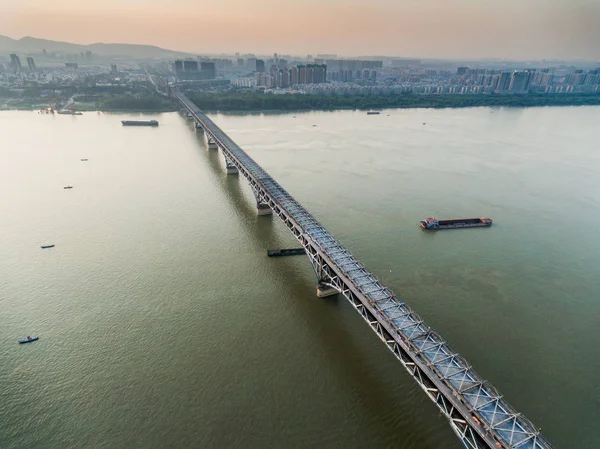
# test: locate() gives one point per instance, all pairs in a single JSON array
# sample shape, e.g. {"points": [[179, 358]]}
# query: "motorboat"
{"points": [[28, 339]]}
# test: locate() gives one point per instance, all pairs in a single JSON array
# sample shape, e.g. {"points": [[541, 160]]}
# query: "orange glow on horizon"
{"points": [[428, 29]]}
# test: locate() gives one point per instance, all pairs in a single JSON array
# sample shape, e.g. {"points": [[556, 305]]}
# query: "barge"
{"points": [[285, 252], [457, 223], [139, 122]]}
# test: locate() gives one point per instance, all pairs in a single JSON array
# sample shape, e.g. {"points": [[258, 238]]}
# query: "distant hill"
{"points": [[35, 45]]}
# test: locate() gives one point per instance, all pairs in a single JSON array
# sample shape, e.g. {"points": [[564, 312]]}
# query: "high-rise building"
{"points": [[178, 67], [294, 75], [31, 64], [15, 62], [285, 77], [190, 66], [240, 62], [461, 70], [301, 74], [319, 73], [260, 65], [208, 70], [504, 81], [113, 69], [520, 81]]}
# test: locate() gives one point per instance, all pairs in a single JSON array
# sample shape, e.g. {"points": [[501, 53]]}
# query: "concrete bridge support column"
{"points": [[324, 290], [189, 115], [263, 209], [212, 145], [199, 128], [229, 167]]}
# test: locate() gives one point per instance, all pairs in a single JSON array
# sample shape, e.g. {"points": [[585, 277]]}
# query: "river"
{"points": [[162, 323]]}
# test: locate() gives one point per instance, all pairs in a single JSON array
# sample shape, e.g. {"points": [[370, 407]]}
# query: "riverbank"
{"points": [[104, 103], [257, 102], [273, 104]]}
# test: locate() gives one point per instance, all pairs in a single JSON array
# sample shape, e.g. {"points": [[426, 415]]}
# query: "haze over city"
{"points": [[536, 29]]}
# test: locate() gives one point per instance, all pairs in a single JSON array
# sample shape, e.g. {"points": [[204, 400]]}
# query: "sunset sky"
{"points": [[517, 29]]}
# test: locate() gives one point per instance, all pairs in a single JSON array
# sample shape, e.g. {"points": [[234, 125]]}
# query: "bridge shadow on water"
{"points": [[383, 400]]}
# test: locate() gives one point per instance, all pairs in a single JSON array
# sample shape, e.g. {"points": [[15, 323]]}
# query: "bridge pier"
{"points": [[199, 128], [229, 167], [324, 290], [212, 145], [263, 209], [189, 115]]}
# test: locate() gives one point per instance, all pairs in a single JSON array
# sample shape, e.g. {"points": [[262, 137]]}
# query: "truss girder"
{"points": [[478, 415]]}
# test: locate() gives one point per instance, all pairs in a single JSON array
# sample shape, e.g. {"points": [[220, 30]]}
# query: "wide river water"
{"points": [[163, 324]]}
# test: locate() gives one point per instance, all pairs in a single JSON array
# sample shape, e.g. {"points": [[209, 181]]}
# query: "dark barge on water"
{"points": [[457, 223], [285, 252], [139, 122]]}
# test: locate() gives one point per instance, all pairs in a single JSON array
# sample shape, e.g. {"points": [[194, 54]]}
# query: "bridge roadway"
{"points": [[477, 413]]}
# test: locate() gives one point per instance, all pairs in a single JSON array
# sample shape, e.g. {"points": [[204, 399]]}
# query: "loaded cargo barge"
{"points": [[285, 252], [139, 122], [457, 223]]}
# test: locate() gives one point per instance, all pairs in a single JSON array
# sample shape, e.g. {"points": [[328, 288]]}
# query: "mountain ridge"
{"points": [[30, 44]]}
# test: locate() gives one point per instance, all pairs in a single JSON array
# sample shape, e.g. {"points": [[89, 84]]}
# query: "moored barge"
{"points": [[457, 223]]}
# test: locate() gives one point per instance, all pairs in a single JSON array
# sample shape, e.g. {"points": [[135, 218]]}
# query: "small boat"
{"points": [[83, 160], [28, 339], [47, 246], [67, 187], [373, 112], [424, 123], [457, 223]]}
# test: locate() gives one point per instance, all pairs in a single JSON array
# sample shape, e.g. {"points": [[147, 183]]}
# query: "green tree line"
{"points": [[268, 102], [129, 103]]}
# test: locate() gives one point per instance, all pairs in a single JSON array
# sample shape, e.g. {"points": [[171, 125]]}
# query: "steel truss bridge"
{"points": [[477, 413]]}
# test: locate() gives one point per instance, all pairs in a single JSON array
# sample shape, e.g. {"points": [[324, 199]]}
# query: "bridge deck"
{"points": [[468, 400]]}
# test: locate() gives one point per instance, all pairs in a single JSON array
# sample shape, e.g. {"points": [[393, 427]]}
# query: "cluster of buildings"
{"points": [[285, 77], [16, 77], [193, 70], [15, 65], [546, 80], [348, 70]]}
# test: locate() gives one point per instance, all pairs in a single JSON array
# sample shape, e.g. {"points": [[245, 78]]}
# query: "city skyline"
{"points": [[454, 29]]}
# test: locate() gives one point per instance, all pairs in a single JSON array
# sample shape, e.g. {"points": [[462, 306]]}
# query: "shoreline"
{"points": [[595, 101]]}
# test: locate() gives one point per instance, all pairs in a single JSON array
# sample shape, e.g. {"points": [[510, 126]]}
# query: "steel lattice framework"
{"points": [[477, 413]]}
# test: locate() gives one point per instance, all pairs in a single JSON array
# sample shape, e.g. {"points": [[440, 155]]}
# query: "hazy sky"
{"points": [[520, 29]]}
